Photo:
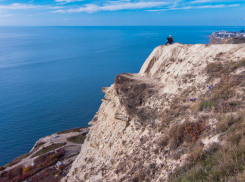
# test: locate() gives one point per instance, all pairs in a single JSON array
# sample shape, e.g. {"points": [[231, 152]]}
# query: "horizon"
{"points": [[122, 13], [238, 26]]}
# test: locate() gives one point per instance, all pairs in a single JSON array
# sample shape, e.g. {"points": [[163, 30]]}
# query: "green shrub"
{"points": [[79, 139], [206, 105]]}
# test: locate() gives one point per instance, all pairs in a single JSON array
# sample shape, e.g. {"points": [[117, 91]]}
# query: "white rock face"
{"points": [[124, 141], [170, 63]]}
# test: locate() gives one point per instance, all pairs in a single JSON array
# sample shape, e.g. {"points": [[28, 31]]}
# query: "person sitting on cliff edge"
{"points": [[169, 40]]}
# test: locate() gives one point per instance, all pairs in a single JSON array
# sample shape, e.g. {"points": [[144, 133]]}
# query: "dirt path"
{"points": [[70, 148]]}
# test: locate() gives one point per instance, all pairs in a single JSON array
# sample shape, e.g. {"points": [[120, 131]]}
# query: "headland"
{"points": [[181, 118]]}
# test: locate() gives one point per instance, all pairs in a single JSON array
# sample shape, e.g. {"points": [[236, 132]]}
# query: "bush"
{"points": [[2, 168], [177, 135], [26, 169], [17, 171], [195, 130]]}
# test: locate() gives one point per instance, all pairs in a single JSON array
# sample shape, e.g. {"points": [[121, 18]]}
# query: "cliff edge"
{"points": [[152, 125]]}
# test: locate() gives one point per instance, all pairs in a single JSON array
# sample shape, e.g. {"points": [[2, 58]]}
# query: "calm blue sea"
{"points": [[51, 77]]}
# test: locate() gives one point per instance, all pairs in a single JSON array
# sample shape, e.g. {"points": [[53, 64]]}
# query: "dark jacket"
{"points": [[170, 40]]}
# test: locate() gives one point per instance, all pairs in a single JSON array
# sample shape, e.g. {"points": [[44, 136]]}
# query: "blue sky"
{"points": [[122, 12]]}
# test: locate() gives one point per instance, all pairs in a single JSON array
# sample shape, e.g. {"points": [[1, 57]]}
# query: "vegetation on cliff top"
{"points": [[225, 160]]}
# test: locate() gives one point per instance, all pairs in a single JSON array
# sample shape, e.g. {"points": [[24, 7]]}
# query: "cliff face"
{"points": [[132, 137]]}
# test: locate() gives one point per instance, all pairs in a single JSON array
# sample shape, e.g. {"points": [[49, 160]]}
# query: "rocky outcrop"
{"points": [[229, 40], [130, 137]]}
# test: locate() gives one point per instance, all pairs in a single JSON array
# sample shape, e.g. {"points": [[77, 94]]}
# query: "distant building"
{"points": [[224, 34]]}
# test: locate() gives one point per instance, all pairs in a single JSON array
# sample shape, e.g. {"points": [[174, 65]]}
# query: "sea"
{"points": [[51, 77]]}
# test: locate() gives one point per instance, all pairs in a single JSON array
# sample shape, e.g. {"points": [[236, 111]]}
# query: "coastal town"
{"points": [[225, 34]]}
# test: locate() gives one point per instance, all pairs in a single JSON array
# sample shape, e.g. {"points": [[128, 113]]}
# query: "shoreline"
{"points": [[68, 142]]}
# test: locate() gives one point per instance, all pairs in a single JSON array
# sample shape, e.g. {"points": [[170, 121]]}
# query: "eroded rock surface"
{"points": [[127, 137]]}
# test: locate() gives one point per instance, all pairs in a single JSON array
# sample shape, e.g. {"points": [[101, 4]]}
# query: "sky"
{"points": [[122, 13]]}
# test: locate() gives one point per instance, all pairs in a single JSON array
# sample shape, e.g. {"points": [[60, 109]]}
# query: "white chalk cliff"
{"points": [[124, 143]]}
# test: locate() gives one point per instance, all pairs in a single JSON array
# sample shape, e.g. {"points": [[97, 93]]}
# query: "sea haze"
{"points": [[51, 77]]}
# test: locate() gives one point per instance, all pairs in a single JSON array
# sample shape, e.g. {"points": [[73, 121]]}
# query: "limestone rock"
{"points": [[125, 141]]}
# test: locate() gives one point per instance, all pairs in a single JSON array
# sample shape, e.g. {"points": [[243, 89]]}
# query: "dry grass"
{"points": [[224, 91], [186, 132], [228, 122], [217, 163], [196, 152], [219, 69], [176, 109], [217, 98], [177, 136]]}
